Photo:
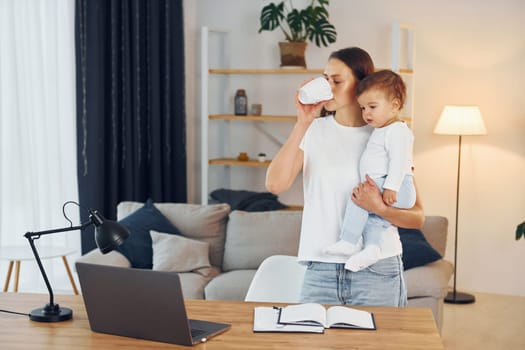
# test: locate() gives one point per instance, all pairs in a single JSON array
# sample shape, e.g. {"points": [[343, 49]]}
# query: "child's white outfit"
{"points": [[387, 159]]}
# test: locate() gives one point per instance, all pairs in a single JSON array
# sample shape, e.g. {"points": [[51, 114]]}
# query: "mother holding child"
{"points": [[329, 151]]}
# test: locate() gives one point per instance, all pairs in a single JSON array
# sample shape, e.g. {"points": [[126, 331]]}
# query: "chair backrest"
{"points": [[279, 278]]}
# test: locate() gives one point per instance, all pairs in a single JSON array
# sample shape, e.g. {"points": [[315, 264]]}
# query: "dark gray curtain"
{"points": [[130, 104]]}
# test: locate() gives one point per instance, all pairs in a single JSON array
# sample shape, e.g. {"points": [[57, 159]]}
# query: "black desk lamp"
{"points": [[108, 235]]}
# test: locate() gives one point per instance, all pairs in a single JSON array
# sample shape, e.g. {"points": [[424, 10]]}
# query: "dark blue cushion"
{"points": [[137, 248], [416, 249]]}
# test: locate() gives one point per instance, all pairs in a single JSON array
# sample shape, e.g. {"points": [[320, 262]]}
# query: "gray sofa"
{"points": [[237, 242]]}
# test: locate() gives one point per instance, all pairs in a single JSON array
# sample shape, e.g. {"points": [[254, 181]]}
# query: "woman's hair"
{"points": [[386, 81], [357, 59], [359, 62]]}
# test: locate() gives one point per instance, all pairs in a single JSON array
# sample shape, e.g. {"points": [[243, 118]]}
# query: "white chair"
{"points": [[278, 279]]}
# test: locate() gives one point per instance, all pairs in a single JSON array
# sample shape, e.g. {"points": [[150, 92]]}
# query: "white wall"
{"points": [[467, 52]]}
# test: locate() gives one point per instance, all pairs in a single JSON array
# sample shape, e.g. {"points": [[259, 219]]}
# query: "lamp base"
{"points": [[51, 313], [459, 298]]}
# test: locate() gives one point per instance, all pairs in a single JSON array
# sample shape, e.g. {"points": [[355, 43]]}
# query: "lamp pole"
{"points": [[455, 297]]}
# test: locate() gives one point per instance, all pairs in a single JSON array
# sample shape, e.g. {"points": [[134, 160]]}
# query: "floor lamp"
{"points": [[459, 120]]}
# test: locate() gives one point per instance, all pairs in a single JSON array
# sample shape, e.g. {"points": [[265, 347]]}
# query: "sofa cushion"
{"points": [[254, 236], [429, 280], [179, 254], [231, 285], [205, 223], [137, 248], [416, 250], [193, 284]]}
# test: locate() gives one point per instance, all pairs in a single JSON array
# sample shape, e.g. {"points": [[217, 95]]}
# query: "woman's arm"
{"points": [[367, 196], [288, 162]]}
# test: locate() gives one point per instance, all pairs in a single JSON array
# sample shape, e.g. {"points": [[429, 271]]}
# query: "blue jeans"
{"points": [[380, 284], [359, 223]]}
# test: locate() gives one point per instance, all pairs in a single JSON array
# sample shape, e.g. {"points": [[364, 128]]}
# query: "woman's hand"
{"points": [[368, 196], [307, 113]]}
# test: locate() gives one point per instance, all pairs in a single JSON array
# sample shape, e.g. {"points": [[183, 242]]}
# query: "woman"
{"points": [[328, 150]]}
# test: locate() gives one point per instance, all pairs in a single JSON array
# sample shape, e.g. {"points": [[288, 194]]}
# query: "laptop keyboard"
{"points": [[196, 332]]}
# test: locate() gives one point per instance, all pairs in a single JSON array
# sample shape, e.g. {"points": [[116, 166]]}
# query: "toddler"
{"points": [[387, 159]]}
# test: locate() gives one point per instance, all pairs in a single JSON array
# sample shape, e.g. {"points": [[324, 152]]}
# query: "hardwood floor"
{"points": [[493, 322]]}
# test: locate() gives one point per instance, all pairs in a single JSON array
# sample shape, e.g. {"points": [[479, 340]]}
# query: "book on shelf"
{"points": [[311, 318]]}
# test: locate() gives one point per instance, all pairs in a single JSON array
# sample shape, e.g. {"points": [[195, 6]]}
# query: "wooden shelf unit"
{"points": [[281, 71], [206, 117], [254, 163], [278, 71], [260, 118]]}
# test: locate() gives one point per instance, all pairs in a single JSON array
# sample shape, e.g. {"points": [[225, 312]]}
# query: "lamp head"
{"points": [[108, 234], [460, 120]]}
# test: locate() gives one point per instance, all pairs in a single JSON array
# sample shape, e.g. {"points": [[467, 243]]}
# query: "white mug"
{"points": [[315, 91]]}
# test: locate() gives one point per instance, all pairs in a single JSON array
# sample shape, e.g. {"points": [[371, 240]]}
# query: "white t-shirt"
{"points": [[389, 152], [330, 172]]}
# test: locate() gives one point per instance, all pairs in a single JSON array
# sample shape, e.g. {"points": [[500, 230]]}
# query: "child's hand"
{"points": [[389, 196]]}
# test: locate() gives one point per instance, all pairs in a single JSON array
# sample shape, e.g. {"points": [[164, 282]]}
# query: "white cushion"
{"points": [[180, 254]]}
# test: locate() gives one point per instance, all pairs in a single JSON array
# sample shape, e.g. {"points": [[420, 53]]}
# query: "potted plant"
{"points": [[298, 26]]}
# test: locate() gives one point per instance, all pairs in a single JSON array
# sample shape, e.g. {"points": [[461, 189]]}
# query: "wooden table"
{"points": [[408, 328]]}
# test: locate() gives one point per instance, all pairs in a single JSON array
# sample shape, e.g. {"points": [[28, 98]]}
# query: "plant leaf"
{"points": [[318, 13], [271, 16], [520, 231], [296, 21], [322, 33]]}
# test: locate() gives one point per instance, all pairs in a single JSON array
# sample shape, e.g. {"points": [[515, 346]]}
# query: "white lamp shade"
{"points": [[460, 120]]}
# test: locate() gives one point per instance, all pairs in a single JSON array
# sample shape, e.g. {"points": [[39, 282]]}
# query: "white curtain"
{"points": [[37, 132]]}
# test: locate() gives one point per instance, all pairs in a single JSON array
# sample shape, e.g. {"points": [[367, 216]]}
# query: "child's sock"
{"points": [[366, 257], [342, 248]]}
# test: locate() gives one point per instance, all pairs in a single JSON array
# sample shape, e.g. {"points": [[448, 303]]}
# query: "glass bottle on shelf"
{"points": [[241, 102]]}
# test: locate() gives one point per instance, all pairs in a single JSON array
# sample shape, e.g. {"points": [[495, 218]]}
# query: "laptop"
{"points": [[142, 304]]}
